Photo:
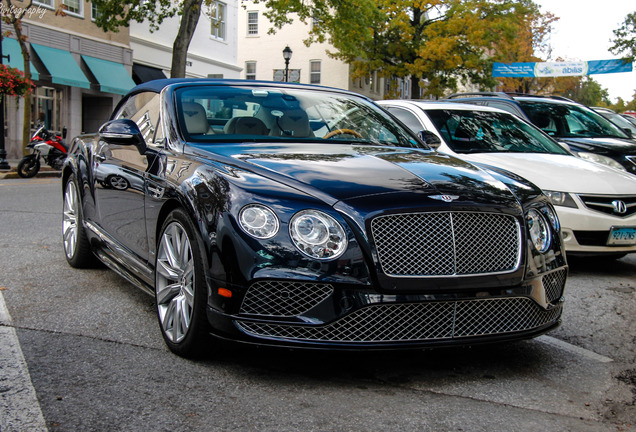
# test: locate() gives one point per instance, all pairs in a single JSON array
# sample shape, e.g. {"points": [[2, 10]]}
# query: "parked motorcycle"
{"points": [[46, 145]]}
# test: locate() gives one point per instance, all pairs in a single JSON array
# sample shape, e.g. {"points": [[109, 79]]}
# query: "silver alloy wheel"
{"points": [[175, 282], [69, 219], [118, 182]]}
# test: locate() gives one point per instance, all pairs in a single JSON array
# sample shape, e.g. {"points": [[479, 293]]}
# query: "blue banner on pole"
{"points": [[556, 69]]}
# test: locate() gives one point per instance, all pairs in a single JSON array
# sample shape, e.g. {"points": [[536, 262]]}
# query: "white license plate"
{"points": [[622, 236]]}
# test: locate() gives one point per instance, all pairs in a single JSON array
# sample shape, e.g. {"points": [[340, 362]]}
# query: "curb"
{"points": [[13, 174]]}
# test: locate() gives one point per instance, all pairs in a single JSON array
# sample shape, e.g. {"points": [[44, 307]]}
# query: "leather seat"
{"points": [[245, 126]]}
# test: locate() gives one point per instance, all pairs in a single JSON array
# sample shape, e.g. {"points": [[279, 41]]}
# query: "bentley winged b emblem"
{"points": [[445, 198]]}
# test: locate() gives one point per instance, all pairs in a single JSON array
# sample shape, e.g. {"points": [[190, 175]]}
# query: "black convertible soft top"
{"points": [[158, 85]]}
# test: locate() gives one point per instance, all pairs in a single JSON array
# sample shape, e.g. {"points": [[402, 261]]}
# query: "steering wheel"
{"points": [[342, 132]]}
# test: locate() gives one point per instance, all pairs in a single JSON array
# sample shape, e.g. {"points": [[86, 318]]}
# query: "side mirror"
{"points": [[565, 145], [64, 132], [629, 133], [430, 138], [123, 132]]}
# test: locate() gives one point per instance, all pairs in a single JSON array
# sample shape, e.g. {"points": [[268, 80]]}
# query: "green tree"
{"points": [[625, 38], [588, 92], [115, 14], [439, 42]]}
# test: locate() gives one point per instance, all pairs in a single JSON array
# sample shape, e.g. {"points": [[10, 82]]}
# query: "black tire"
{"points": [[181, 287], [76, 245], [29, 166]]}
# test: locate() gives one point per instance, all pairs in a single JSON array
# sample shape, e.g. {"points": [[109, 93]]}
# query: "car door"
{"points": [[120, 182]]}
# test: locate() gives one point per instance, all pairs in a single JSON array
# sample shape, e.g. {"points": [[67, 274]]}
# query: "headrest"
{"points": [[245, 126], [196, 121]]}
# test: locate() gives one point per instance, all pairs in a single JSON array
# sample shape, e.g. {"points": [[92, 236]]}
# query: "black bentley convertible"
{"points": [[303, 216]]}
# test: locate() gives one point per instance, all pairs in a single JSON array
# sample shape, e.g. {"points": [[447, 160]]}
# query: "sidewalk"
{"points": [[12, 173]]}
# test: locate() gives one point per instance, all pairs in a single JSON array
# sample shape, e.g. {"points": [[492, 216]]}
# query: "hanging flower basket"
{"points": [[13, 82]]}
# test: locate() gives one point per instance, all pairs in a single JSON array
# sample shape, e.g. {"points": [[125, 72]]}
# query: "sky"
{"points": [[584, 31]]}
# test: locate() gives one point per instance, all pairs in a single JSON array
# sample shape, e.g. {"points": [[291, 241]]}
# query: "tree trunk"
{"points": [[16, 21], [415, 87], [189, 20], [26, 126]]}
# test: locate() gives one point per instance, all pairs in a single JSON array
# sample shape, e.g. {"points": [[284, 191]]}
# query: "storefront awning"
{"points": [[11, 47], [112, 77], [61, 66], [142, 74]]}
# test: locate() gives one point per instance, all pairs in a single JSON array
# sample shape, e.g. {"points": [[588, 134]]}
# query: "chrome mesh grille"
{"points": [[443, 244], [553, 283], [418, 322], [283, 298]]}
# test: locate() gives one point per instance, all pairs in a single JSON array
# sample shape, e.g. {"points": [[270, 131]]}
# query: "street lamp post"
{"points": [[287, 53]]}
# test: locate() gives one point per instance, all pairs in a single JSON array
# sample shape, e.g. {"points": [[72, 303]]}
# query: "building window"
{"points": [[314, 72], [94, 12], [250, 70], [217, 18], [45, 3], [252, 23], [74, 7]]}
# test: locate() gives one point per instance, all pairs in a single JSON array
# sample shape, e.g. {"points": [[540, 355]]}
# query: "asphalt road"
{"points": [[81, 351]]}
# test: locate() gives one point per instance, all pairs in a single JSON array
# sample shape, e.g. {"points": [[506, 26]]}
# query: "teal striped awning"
{"points": [[11, 47], [61, 66], [112, 77]]}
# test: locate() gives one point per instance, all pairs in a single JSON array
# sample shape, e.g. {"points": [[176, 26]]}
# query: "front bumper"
{"points": [[586, 231], [351, 319]]}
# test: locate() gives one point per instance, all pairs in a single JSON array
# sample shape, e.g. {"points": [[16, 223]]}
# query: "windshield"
{"points": [[214, 114], [619, 120], [570, 121], [488, 132]]}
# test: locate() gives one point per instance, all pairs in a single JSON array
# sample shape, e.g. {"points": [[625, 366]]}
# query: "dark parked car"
{"points": [[618, 120], [303, 216], [585, 132]]}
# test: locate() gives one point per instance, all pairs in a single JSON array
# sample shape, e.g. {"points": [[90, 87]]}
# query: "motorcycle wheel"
{"points": [[28, 166]]}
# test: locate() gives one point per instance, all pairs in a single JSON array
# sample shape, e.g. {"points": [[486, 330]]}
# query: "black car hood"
{"points": [[602, 145], [339, 172]]}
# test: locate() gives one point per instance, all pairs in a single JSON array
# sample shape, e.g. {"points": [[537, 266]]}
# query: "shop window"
{"points": [[46, 103]]}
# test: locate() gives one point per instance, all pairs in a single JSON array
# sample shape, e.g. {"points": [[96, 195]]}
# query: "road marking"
{"points": [[19, 407], [549, 340]]}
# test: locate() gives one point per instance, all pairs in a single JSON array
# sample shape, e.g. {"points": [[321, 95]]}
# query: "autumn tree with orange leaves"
{"points": [[436, 44]]}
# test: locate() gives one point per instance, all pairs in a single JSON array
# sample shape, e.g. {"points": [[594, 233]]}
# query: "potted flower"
{"points": [[13, 82]]}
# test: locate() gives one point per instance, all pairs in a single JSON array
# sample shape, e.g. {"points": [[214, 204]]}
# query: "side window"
{"points": [[408, 118], [143, 109], [502, 106]]}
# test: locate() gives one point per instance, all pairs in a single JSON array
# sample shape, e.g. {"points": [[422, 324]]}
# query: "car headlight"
{"points": [[258, 221], [562, 199], [601, 159], [539, 230], [317, 235], [552, 217]]}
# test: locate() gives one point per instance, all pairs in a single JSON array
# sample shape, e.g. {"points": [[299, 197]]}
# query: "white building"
{"points": [[212, 52], [261, 55]]}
